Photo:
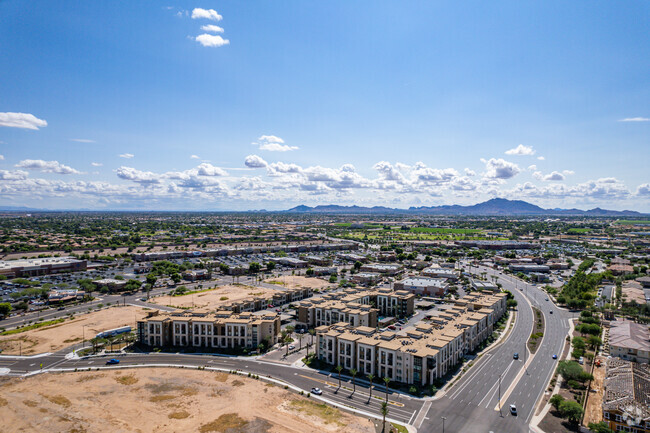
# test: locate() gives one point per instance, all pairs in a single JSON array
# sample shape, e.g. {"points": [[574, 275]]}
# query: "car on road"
{"points": [[316, 391], [291, 347], [112, 361], [515, 356], [550, 312], [61, 308], [554, 356], [547, 299], [513, 410]]}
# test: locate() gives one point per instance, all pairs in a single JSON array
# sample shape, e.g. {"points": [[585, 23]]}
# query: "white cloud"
{"points": [[194, 157], [500, 169], [82, 140], [541, 158], [138, 176], [635, 119], [211, 28], [272, 143], [96, 164], [206, 169], [2, 157], [254, 161], [568, 172], [21, 120], [532, 167], [127, 155], [553, 176], [208, 40], [470, 172], [46, 166], [13, 175], [643, 189], [521, 150], [208, 14]]}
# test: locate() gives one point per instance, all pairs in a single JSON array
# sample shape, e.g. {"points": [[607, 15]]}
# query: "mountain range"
{"points": [[493, 207]]}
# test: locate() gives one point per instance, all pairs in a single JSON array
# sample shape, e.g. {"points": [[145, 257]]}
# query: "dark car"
{"points": [[515, 356], [112, 361]]}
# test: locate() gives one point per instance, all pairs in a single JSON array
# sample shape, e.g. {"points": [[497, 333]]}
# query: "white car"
{"points": [[291, 347], [316, 391], [513, 410]]}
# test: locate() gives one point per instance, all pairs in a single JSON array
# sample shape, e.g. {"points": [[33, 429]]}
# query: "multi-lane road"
{"points": [[470, 405]]}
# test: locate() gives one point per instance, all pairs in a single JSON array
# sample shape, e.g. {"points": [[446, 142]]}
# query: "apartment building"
{"points": [[629, 341], [626, 399], [418, 355], [275, 300], [223, 329], [321, 312]]}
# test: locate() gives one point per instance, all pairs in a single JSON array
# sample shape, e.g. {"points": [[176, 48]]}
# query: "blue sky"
{"points": [[240, 105]]}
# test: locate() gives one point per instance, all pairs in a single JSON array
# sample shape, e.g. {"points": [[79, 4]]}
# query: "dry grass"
{"points": [[30, 403], [237, 383], [59, 399], [127, 380], [178, 415], [223, 423], [221, 377], [326, 413], [3, 402], [161, 398], [90, 377]]}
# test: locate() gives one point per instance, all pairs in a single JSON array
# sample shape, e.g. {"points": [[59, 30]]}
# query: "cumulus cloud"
{"points": [[211, 28], [272, 143], [96, 164], [138, 176], [46, 166], [208, 14], [553, 176], [643, 189], [500, 169], [194, 157], [127, 155], [82, 140], [206, 169], [21, 120], [532, 167], [254, 161], [521, 150], [2, 157], [470, 172], [635, 119], [208, 40], [13, 175], [541, 158]]}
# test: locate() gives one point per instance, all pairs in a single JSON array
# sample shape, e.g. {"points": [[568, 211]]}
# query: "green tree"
{"points": [[384, 413], [594, 342], [556, 400], [254, 267], [353, 373], [370, 378], [270, 266], [600, 427], [5, 309], [571, 410], [176, 278], [357, 265], [338, 370], [386, 382]]}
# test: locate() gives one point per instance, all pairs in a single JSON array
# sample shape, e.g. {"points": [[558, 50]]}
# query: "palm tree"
{"points": [[386, 382], [289, 330], [353, 373], [338, 369], [384, 412], [370, 378], [300, 341]]}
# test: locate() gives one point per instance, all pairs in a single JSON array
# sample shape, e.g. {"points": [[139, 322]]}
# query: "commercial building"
{"points": [[528, 268], [497, 245], [417, 355], [220, 330], [438, 272], [629, 341], [292, 262], [626, 397], [481, 286], [112, 284], [43, 266], [382, 268], [367, 278], [423, 286], [319, 261], [197, 274]]}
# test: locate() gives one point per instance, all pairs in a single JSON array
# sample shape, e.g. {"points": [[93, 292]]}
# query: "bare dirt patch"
{"points": [[296, 281], [127, 380], [60, 335], [593, 410], [199, 401], [213, 299]]}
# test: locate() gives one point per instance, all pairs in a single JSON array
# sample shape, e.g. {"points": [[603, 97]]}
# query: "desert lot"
{"points": [[214, 298], [69, 332], [163, 400], [296, 281]]}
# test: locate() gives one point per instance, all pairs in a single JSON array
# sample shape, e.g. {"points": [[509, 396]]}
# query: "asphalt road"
{"points": [[471, 405]]}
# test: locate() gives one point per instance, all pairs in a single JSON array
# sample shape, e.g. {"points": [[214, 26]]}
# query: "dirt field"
{"points": [[633, 291], [57, 336], [163, 400], [594, 410], [212, 299], [292, 282]]}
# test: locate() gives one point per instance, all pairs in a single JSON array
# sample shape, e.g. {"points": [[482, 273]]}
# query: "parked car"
{"points": [[316, 391], [112, 361]]}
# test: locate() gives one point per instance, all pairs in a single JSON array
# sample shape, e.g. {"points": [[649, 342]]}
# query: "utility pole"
{"points": [[443, 423]]}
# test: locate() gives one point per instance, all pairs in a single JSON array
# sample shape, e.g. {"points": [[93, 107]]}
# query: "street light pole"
{"points": [[443, 423], [500, 414]]}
